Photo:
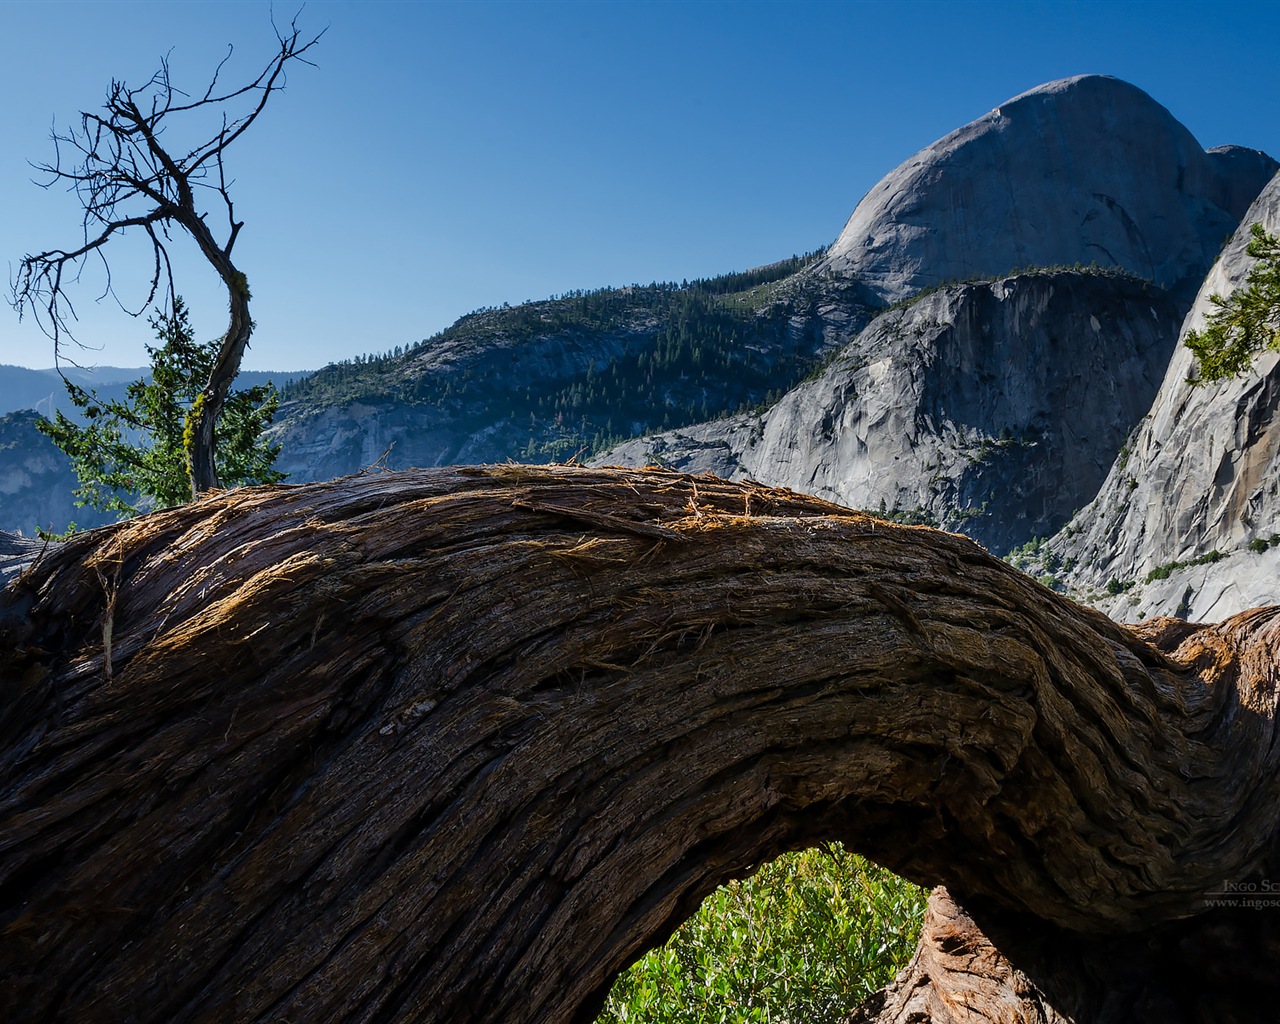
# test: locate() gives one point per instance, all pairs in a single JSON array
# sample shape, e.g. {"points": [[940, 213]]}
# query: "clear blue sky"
{"points": [[446, 156]]}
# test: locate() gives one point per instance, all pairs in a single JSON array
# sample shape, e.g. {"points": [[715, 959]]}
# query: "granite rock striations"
{"points": [[1185, 519], [994, 409]]}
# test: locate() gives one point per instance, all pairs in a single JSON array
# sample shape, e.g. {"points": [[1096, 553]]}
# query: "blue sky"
{"points": [[446, 156]]}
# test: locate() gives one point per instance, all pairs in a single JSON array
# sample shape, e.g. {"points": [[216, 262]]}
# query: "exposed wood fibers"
{"points": [[458, 745]]}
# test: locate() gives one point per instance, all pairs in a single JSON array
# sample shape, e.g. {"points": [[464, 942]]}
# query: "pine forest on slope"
{"points": [[549, 379]]}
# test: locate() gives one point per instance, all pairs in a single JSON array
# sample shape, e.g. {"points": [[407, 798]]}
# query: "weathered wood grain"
{"points": [[458, 745]]}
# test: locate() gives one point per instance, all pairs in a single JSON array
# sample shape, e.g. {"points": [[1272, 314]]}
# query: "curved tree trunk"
{"points": [[459, 745], [202, 464]]}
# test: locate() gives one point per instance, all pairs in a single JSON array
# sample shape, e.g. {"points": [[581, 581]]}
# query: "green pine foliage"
{"points": [[671, 354], [1245, 323], [131, 454], [807, 938]]}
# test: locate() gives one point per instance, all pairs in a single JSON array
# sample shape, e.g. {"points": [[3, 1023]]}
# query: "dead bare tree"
{"points": [[458, 745], [127, 179]]}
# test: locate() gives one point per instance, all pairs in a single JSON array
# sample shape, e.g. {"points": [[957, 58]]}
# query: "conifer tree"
{"points": [[1245, 323], [135, 454]]}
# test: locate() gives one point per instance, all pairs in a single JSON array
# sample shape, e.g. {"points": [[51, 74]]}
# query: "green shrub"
{"points": [[1163, 572], [135, 453], [806, 938], [918, 516]]}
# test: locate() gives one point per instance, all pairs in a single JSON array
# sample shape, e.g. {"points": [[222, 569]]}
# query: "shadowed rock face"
{"points": [[995, 409], [37, 481], [1087, 169], [1201, 474]]}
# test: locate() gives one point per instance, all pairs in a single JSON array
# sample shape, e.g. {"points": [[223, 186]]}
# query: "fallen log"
{"points": [[459, 745]]}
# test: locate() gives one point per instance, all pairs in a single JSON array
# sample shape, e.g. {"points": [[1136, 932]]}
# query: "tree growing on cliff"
{"points": [[129, 179], [1244, 323], [137, 448]]}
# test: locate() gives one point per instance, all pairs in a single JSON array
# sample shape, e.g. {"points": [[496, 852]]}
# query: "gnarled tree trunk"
{"points": [[459, 745]]}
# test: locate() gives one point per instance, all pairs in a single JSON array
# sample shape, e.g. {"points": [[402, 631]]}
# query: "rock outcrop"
{"points": [[36, 481], [995, 409], [1201, 475], [1087, 169]]}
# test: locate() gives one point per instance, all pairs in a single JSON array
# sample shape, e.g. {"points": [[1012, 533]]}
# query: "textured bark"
{"points": [[1217, 967], [458, 745], [202, 454]]}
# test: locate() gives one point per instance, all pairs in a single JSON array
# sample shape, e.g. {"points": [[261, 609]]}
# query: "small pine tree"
{"points": [[1245, 323], [133, 454]]}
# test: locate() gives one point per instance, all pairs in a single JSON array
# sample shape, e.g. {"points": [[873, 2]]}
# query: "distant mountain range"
{"points": [[36, 479], [23, 388], [45, 392], [990, 345]]}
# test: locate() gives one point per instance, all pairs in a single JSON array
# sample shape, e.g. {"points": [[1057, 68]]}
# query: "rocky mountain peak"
{"points": [[1186, 518], [1088, 169]]}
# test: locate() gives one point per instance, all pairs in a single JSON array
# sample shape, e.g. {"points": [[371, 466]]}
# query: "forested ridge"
{"points": [[639, 358]]}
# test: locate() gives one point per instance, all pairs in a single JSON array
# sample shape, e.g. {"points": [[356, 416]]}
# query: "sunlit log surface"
{"points": [[458, 745]]}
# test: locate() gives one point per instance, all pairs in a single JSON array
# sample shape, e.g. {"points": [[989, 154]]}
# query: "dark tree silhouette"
{"points": [[459, 745], [118, 164]]}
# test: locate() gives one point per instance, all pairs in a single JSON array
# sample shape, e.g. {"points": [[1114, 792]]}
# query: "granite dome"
{"points": [[1088, 169]]}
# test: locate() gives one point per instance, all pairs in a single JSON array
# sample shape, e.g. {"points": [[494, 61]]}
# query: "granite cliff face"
{"points": [[1080, 171], [997, 408], [1200, 475], [36, 481], [1088, 169], [994, 409]]}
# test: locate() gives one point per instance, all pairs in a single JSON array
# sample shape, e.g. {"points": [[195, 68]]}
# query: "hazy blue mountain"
{"points": [[36, 481], [43, 390], [36, 478]]}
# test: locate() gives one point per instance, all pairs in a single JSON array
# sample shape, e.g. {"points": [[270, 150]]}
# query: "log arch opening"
{"points": [[462, 744]]}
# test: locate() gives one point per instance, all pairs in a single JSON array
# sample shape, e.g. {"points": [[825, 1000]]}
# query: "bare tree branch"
{"points": [[125, 177]]}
